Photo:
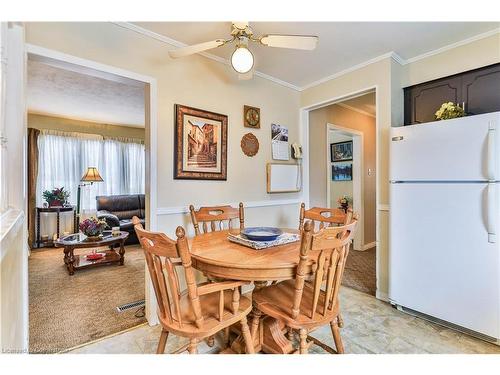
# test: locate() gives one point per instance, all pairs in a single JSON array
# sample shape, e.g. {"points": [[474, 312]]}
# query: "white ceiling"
{"points": [[341, 44], [54, 90]]}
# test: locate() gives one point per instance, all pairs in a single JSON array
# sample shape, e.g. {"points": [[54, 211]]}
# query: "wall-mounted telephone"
{"points": [[296, 151]]}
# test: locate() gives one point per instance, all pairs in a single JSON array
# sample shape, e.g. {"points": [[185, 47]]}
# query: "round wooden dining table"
{"points": [[213, 254]]}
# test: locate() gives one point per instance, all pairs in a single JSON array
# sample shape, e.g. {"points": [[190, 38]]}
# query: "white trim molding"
{"points": [[452, 45], [392, 55], [382, 296], [181, 210], [350, 107], [369, 246]]}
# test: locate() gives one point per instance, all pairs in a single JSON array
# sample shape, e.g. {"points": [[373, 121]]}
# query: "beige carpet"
{"points": [[66, 311], [360, 271]]}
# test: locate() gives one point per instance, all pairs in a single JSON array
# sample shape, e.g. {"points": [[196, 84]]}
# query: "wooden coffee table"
{"points": [[78, 241]]}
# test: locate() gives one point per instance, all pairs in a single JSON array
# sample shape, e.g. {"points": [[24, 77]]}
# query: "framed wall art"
{"points": [[342, 171], [341, 151], [200, 144]]}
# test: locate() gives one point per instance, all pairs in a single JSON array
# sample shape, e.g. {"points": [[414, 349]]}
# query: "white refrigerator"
{"points": [[444, 239]]}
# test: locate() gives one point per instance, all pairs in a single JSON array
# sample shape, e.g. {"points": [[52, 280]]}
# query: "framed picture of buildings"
{"points": [[200, 144]]}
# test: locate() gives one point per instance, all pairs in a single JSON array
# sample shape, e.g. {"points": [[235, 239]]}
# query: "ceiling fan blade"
{"points": [[246, 76], [308, 42], [195, 48]]}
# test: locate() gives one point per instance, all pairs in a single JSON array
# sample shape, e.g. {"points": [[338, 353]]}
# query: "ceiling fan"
{"points": [[242, 59]]}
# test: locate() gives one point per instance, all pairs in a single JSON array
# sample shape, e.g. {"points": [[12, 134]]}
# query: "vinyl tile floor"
{"points": [[371, 326]]}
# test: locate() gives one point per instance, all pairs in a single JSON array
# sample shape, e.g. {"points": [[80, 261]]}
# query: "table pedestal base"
{"points": [[270, 338]]}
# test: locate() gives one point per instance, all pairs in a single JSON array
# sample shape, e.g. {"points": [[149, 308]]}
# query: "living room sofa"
{"points": [[118, 210]]}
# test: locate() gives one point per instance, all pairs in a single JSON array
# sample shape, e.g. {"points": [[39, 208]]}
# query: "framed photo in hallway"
{"points": [[200, 144], [342, 171], [341, 151]]}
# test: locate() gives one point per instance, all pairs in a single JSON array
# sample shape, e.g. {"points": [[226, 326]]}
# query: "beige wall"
{"points": [[198, 82], [390, 77], [37, 121], [341, 116], [474, 55]]}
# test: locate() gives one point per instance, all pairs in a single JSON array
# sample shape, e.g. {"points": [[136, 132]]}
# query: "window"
{"points": [[64, 157]]}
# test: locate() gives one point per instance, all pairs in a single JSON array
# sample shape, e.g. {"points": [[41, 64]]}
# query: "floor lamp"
{"points": [[92, 175]]}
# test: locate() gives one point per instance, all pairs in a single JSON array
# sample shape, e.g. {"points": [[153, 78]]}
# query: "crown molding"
{"points": [[176, 43], [392, 55], [347, 106], [453, 45]]}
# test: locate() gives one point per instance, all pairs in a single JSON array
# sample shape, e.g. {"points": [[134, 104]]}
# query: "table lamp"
{"points": [[91, 175]]}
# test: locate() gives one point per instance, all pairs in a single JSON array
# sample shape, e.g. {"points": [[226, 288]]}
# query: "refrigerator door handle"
{"points": [[492, 155], [492, 208]]}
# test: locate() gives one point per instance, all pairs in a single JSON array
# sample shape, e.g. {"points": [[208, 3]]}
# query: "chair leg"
{"points": [[336, 336], [245, 331], [193, 346], [163, 342], [211, 340], [225, 340], [303, 340], [255, 322], [340, 321]]}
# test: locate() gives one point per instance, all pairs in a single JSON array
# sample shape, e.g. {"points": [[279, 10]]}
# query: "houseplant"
{"points": [[93, 228], [344, 201], [448, 111], [57, 197]]}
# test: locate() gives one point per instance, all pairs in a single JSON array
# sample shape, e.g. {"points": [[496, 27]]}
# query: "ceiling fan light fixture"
{"points": [[242, 59]]}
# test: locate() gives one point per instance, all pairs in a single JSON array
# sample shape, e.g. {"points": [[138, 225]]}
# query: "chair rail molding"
{"points": [[177, 210]]}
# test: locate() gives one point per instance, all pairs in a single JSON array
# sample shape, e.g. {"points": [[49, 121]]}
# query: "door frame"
{"points": [[151, 145], [304, 136], [357, 177]]}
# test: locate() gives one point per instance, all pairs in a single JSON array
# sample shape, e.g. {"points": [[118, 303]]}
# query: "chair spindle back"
{"points": [[216, 218], [324, 217], [163, 255], [332, 243]]}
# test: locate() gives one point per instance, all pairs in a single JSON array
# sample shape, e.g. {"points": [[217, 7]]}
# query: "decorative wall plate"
{"points": [[250, 144]]}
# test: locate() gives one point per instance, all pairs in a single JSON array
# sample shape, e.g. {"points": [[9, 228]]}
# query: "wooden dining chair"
{"points": [[216, 218], [198, 312], [324, 217], [304, 305]]}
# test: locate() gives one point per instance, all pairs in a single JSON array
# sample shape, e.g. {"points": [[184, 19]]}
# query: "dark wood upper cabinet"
{"points": [[478, 89]]}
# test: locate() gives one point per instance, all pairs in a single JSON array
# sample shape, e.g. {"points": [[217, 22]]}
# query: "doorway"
{"points": [[344, 178], [341, 140], [147, 86]]}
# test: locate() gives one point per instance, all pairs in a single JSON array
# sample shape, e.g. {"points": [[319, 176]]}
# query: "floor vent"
{"points": [[443, 323], [131, 305]]}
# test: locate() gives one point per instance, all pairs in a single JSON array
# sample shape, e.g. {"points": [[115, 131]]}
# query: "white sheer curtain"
{"points": [[64, 157]]}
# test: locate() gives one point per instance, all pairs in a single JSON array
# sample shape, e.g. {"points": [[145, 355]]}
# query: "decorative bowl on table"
{"points": [[95, 256], [93, 228], [261, 233]]}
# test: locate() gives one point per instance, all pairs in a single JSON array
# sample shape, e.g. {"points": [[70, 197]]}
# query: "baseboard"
{"points": [[382, 296], [369, 246]]}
